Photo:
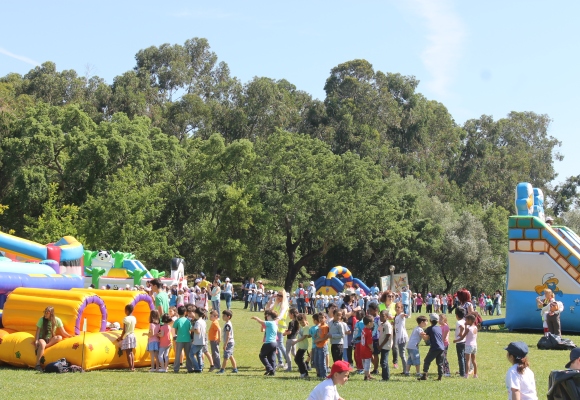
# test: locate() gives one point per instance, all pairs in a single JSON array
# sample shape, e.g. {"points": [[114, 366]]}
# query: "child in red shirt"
{"points": [[366, 348]]}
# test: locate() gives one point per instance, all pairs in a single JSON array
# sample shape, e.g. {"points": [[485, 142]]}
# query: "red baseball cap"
{"points": [[339, 366]]}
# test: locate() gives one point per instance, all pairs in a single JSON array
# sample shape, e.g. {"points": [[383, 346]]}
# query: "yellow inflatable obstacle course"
{"points": [[95, 349]]}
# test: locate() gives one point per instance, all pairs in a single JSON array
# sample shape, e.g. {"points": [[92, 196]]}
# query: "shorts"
{"points": [[414, 357], [470, 349], [229, 351], [366, 362], [153, 346], [204, 349], [129, 342], [376, 350]]}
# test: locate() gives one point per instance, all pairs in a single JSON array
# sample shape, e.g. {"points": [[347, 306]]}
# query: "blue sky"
{"points": [[476, 58]]}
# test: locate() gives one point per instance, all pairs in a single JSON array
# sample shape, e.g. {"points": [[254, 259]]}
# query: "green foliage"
{"points": [[55, 222], [176, 156]]}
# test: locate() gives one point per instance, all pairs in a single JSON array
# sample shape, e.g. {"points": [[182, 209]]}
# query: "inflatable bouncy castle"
{"points": [[540, 256], [331, 285], [95, 348]]}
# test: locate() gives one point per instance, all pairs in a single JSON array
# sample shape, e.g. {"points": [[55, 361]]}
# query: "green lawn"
{"points": [[249, 383]]}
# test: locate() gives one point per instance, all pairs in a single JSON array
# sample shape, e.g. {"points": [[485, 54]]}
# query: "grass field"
{"points": [[249, 382]]}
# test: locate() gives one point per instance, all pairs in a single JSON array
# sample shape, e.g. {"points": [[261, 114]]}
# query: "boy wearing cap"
{"points": [[574, 359], [520, 380], [436, 347], [327, 388]]}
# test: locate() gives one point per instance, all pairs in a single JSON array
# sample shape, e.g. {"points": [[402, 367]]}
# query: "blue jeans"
{"points": [[228, 298], [320, 361], [385, 373], [444, 308], [281, 355], [460, 348], [406, 309], [320, 355], [301, 305], [196, 355], [216, 305], [401, 347], [497, 308], [179, 347]]}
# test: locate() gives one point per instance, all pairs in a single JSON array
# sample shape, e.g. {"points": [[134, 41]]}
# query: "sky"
{"points": [[476, 58]]}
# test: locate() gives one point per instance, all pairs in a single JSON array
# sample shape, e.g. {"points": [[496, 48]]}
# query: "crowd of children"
{"points": [[356, 330]]}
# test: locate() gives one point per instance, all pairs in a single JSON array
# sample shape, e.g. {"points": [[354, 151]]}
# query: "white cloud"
{"points": [[16, 56], [445, 35]]}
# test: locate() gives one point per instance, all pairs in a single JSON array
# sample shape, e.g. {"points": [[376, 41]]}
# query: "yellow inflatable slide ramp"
{"points": [[116, 300], [25, 306]]}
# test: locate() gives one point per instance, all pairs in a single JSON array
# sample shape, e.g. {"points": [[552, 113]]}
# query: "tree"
{"points": [[55, 222], [312, 198], [565, 195]]}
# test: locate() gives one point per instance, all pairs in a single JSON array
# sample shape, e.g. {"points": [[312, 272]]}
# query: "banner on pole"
{"points": [[400, 280]]}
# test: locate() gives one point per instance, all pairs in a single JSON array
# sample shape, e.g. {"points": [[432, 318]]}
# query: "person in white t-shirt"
{"points": [[326, 390], [519, 380]]}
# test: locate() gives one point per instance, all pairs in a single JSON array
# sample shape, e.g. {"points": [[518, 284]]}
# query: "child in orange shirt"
{"points": [[214, 337], [321, 349]]}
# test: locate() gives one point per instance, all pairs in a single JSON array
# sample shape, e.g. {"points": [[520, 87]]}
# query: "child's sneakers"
{"points": [[303, 376], [234, 371], [211, 369], [221, 371]]}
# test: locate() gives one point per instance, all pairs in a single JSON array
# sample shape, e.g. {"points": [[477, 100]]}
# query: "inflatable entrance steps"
{"points": [[116, 300], [25, 306]]}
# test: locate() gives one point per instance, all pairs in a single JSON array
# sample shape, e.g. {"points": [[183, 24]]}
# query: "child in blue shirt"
{"points": [[436, 347], [268, 351], [313, 331]]}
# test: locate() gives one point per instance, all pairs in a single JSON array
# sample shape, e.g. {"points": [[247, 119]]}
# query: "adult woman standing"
{"points": [[49, 331], [215, 296], [464, 298], [550, 312], [280, 305], [228, 292]]}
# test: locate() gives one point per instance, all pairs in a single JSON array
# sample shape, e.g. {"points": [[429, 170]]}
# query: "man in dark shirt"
{"points": [[436, 347]]}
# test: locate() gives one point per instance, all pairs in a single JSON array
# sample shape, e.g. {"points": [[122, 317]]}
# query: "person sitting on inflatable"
{"points": [[49, 331]]}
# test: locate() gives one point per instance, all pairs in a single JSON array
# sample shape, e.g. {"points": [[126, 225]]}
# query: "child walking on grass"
{"points": [[436, 348], [268, 351], [153, 340], [302, 344], [366, 346], [228, 338], [401, 336], [413, 345], [470, 336], [127, 338], [214, 337], [445, 333], [164, 342]]}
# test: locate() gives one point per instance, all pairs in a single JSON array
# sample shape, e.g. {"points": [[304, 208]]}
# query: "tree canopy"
{"points": [[176, 157]]}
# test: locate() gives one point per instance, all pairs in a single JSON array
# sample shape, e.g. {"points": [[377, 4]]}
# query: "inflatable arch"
{"points": [[116, 300], [331, 285], [26, 306]]}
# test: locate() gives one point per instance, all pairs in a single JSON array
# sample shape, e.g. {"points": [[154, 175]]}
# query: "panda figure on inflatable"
{"points": [[103, 260]]}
